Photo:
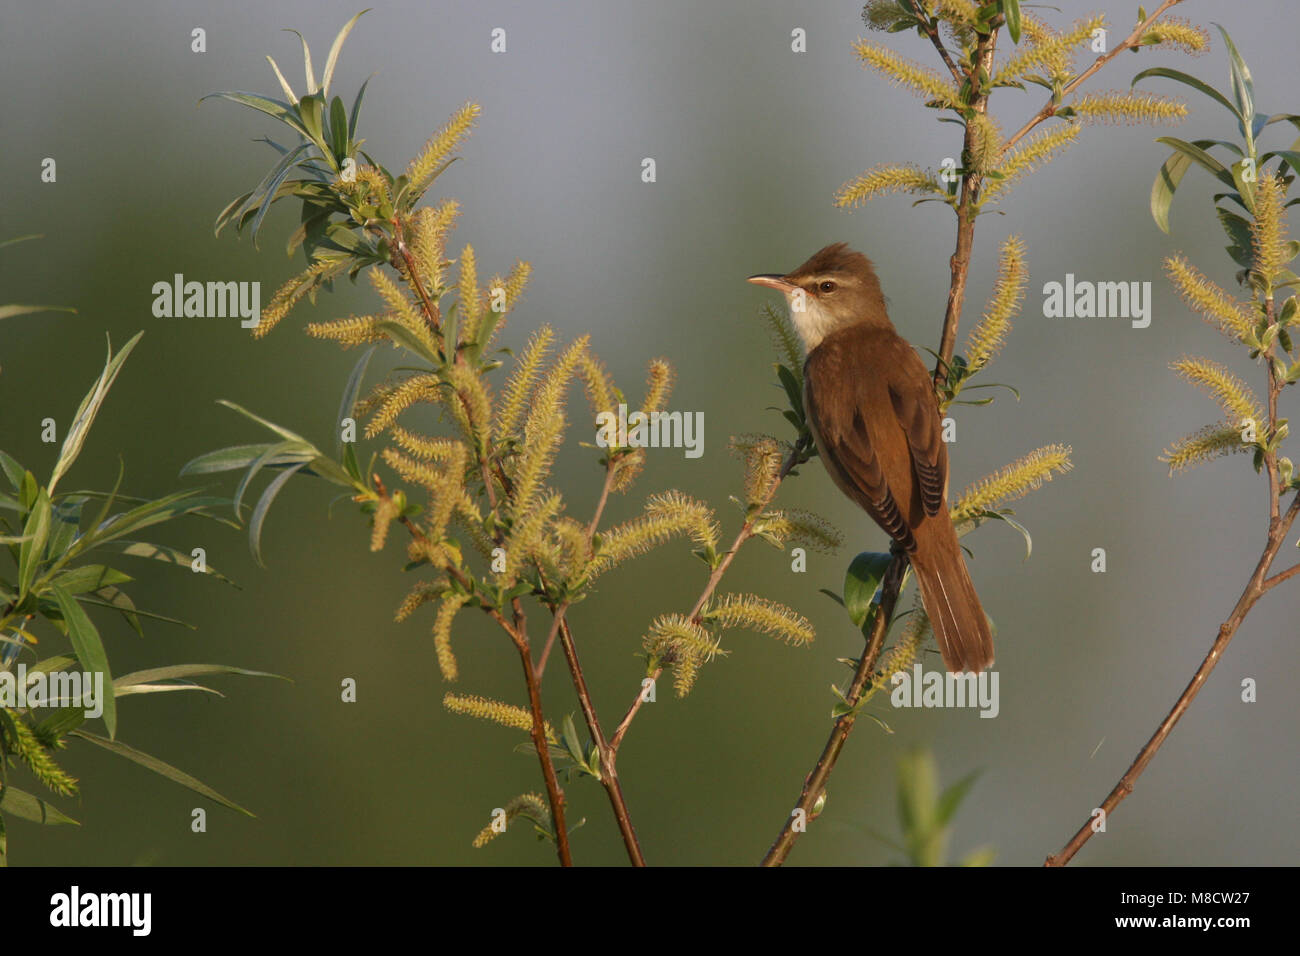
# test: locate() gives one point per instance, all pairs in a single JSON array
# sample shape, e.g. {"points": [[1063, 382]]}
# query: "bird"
{"points": [[871, 406]]}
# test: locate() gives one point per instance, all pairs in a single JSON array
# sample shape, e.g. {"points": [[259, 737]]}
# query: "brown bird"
{"points": [[873, 412]]}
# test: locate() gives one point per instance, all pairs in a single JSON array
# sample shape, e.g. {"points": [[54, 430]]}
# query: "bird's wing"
{"points": [[917, 409], [841, 430]]}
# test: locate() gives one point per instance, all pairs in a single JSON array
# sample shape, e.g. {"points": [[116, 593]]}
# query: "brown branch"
{"points": [[1279, 526], [815, 783], [608, 755], [1254, 590], [1050, 107], [519, 637], [933, 33], [971, 182], [798, 455]]}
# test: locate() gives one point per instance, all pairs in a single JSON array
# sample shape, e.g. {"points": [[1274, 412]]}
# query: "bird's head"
{"points": [[834, 289]]}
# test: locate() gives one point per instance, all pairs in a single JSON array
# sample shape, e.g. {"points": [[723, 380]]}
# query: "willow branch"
{"points": [[798, 455], [1279, 526], [815, 783], [1050, 107], [519, 637]]}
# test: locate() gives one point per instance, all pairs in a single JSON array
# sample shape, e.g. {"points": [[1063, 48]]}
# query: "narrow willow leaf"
{"points": [[350, 391], [181, 671], [282, 432], [264, 505], [235, 458], [88, 409], [332, 59], [1193, 82], [8, 311], [35, 533], [263, 104], [161, 768], [89, 649], [27, 807], [163, 553]]}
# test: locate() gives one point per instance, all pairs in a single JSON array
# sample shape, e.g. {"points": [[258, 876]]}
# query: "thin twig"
{"points": [[1050, 107], [1279, 526], [519, 637], [1254, 590], [815, 783]]}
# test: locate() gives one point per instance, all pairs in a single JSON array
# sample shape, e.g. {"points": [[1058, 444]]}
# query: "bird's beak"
{"points": [[776, 282]]}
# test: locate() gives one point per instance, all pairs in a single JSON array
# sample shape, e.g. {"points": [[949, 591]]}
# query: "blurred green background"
{"points": [[751, 141]]}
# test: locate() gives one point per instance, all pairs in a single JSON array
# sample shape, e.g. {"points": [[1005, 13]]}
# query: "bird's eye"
{"points": [[827, 286]]}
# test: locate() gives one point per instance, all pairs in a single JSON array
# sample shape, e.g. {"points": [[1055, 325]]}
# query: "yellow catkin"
{"points": [[1180, 33], [1204, 445], [1233, 395], [1033, 152], [354, 330], [905, 72], [529, 805], [1232, 316], [1268, 229], [759, 614], [1051, 54], [803, 527], [432, 225], [886, 179], [1008, 292], [1117, 107], [440, 146], [1013, 481], [658, 386], [417, 388], [451, 603], [485, 708]]}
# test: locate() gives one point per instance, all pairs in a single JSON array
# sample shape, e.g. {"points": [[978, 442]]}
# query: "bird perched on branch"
{"points": [[871, 407]]}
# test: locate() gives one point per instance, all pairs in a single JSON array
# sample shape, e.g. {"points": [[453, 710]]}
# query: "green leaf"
{"points": [[1011, 11], [1239, 238], [952, 798], [356, 109], [161, 768], [163, 553], [332, 59], [89, 577], [263, 104], [861, 580], [1162, 190], [9, 311], [1193, 82], [274, 178], [181, 671], [88, 409], [27, 807], [402, 337], [1243, 87], [259, 513], [1201, 158], [88, 647], [13, 471], [282, 432], [277, 450], [237, 457], [35, 532], [338, 130], [350, 392]]}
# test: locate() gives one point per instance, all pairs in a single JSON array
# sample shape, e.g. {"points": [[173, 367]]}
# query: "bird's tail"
{"points": [[951, 603]]}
